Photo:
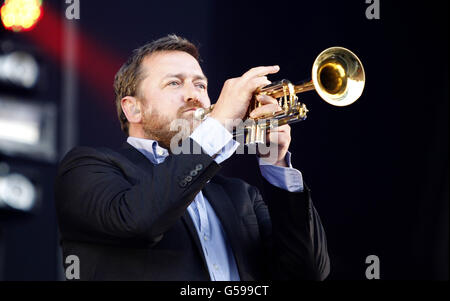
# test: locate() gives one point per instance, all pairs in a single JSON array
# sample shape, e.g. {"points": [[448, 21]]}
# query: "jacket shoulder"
{"points": [[83, 155]]}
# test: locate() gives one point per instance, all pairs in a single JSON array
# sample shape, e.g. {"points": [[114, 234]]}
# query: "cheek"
{"points": [[171, 98], [156, 101], [166, 107]]}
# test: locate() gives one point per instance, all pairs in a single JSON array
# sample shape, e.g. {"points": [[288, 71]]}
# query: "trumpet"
{"points": [[337, 76]]}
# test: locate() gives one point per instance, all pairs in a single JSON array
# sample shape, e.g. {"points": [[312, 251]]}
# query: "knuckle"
{"points": [[229, 82], [248, 72]]}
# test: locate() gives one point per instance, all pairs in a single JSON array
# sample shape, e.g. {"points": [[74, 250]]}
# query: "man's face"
{"points": [[173, 87]]}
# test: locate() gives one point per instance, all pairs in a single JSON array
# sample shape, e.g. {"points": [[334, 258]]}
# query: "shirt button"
{"points": [[160, 152], [205, 237], [216, 267]]}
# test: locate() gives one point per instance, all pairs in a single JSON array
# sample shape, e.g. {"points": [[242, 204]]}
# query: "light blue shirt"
{"points": [[216, 141]]}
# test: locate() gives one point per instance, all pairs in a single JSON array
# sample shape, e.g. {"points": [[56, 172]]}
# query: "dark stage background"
{"points": [[378, 169]]}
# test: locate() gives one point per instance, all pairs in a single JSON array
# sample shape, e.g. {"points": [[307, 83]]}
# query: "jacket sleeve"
{"points": [[101, 197], [294, 237]]}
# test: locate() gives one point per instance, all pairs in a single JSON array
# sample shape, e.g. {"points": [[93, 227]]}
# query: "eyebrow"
{"points": [[184, 75]]}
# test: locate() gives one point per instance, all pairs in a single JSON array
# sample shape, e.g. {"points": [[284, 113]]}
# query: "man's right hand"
{"points": [[237, 92]]}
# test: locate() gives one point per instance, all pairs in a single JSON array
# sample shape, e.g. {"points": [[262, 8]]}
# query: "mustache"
{"points": [[190, 105]]}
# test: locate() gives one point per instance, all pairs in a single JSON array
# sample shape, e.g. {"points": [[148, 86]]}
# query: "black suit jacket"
{"points": [[126, 219]]}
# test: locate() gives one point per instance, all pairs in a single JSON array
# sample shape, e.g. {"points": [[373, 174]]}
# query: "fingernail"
{"points": [[277, 67]]}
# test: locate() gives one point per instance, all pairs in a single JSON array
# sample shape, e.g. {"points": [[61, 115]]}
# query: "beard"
{"points": [[163, 129]]}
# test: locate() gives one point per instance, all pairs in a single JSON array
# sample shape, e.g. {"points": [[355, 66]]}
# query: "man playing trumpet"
{"points": [[145, 212]]}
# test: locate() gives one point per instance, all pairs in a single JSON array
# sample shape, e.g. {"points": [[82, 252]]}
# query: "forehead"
{"points": [[161, 63]]}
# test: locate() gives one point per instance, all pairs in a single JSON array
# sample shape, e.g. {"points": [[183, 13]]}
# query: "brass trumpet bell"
{"points": [[338, 76]]}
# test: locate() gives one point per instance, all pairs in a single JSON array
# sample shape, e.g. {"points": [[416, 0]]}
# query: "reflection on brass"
{"points": [[337, 76]]}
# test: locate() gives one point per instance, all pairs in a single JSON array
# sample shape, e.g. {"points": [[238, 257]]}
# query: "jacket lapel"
{"points": [[191, 227], [135, 156], [231, 223]]}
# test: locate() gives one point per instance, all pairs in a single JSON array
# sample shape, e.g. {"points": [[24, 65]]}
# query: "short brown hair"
{"points": [[129, 76]]}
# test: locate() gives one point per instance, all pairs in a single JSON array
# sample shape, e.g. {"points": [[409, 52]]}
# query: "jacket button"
{"points": [[193, 173], [188, 179], [198, 167], [183, 183]]}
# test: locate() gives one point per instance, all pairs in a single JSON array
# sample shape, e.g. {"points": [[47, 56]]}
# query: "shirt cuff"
{"points": [[215, 140], [287, 178]]}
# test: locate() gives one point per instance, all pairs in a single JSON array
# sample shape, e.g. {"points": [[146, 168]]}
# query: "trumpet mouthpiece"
{"points": [[200, 114]]}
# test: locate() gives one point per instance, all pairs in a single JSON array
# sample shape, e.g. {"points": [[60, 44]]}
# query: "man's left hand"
{"points": [[278, 138]]}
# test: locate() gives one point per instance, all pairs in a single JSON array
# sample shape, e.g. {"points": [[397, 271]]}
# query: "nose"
{"points": [[191, 93]]}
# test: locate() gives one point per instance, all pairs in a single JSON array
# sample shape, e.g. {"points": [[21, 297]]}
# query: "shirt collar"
{"points": [[149, 148]]}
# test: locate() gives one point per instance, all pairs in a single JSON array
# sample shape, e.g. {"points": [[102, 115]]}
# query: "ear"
{"points": [[132, 108]]}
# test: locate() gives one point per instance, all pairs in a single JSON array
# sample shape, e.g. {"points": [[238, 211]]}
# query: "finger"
{"points": [[265, 109], [258, 82], [261, 71], [266, 99], [284, 130], [279, 138], [281, 129]]}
